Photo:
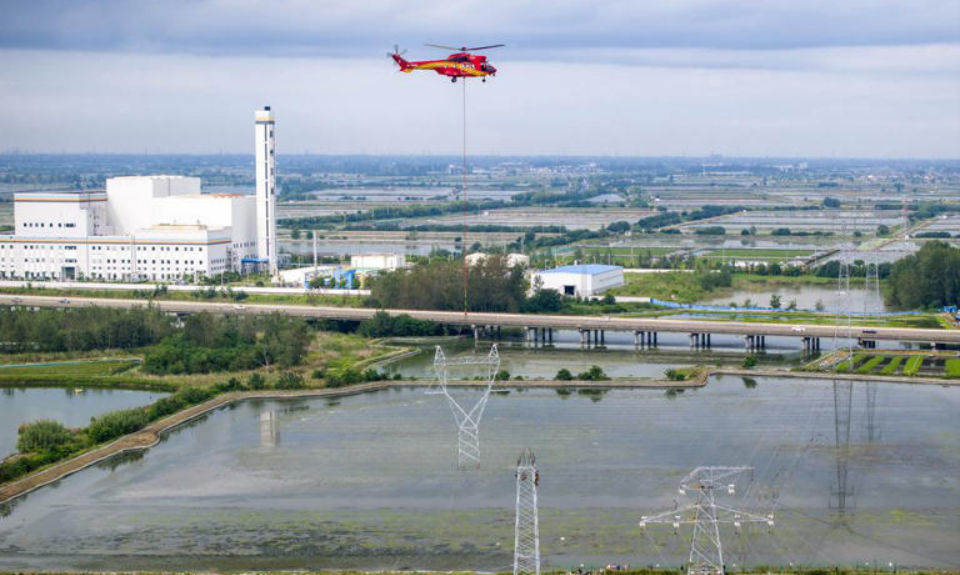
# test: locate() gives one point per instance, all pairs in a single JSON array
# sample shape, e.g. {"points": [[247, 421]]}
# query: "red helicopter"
{"points": [[462, 64]]}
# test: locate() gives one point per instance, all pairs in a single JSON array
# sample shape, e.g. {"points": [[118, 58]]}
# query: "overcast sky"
{"points": [[848, 78]]}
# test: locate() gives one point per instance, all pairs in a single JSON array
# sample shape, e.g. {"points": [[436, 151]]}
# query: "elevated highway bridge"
{"points": [[537, 326]]}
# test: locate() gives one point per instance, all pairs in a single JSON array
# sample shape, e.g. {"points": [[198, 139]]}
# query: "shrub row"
{"points": [[913, 365]]}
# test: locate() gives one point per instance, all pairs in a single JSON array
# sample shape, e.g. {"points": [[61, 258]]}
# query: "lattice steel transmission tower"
{"points": [[872, 302], [468, 421], [526, 541], [844, 326], [706, 516]]}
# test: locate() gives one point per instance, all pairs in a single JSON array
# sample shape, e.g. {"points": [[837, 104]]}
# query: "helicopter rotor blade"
{"points": [[446, 47], [485, 47]]}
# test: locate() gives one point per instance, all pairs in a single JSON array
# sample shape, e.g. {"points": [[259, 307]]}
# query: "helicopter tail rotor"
{"points": [[397, 56]]}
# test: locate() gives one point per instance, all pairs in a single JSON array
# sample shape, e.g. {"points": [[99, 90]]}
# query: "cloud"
{"points": [[533, 28], [91, 101]]}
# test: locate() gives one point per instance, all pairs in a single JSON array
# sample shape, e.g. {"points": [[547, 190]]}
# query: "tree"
{"points": [[42, 435], [883, 230], [775, 301], [564, 375], [927, 279], [290, 380], [256, 381]]}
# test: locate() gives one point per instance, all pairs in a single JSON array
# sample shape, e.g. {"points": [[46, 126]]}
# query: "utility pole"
{"points": [[526, 540], [706, 516], [468, 421]]}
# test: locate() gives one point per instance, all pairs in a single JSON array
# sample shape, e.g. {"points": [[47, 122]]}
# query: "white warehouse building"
{"points": [[156, 228], [580, 280]]}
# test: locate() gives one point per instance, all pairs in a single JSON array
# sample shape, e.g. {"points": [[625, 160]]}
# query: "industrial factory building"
{"points": [[146, 227], [580, 280]]}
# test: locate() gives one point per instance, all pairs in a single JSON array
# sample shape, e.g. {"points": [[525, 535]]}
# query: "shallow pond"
{"points": [[72, 407], [857, 300], [370, 481], [618, 358]]}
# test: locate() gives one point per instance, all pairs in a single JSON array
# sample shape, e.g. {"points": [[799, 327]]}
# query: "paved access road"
{"points": [[604, 323]]}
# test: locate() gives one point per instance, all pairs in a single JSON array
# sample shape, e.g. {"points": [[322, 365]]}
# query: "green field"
{"points": [[671, 286], [913, 365], [890, 364], [77, 368], [772, 255]]}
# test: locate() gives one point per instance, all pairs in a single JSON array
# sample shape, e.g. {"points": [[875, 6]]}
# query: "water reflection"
{"points": [[269, 428], [842, 405], [392, 495]]}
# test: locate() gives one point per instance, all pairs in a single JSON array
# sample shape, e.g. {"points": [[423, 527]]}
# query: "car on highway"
{"points": [[798, 329], [239, 307], [64, 300]]}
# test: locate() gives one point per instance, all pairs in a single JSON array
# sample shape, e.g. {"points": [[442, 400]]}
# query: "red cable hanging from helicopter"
{"points": [[461, 64]]}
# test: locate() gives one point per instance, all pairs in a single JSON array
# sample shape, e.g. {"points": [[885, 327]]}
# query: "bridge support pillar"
{"points": [[636, 338], [763, 342], [602, 337], [476, 333], [550, 334], [816, 344], [583, 337], [748, 343], [709, 340], [694, 340], [807, 345]]}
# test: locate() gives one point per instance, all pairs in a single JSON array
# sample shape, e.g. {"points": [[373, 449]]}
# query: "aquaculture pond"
{"points": [[854, 473], [618, 357], [72, 406]]}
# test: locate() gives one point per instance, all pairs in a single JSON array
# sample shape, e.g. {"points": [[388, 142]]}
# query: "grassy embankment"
{"points": [[332, 360], [147, 293], [684, 287], [122, 368]]}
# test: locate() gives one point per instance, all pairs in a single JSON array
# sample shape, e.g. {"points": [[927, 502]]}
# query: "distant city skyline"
{"points": [[877, 79]]}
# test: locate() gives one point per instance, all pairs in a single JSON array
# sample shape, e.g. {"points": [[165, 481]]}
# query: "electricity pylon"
{"points": [[468, 421], [526, 540], [844, 319], [706, 515], [871, 298]]}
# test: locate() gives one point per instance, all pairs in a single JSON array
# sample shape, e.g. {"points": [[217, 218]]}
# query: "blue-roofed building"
{"points": [[584, 280]]}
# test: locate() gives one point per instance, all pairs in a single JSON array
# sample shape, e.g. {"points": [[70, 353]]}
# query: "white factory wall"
{"points": [[63, 214], [583, 284], [378, 261], [130, 199], [155, 254]]}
